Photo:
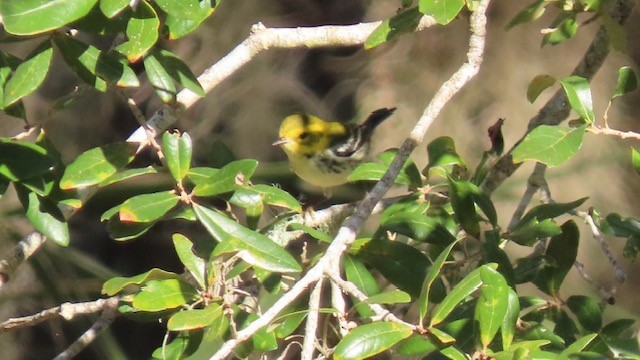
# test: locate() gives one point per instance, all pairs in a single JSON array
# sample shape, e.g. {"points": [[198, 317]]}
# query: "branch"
{"points": [[109, 314], [67, 311], [599, 130], [262, 39], [21, 252], [557, 108], [347, 233], [309, 342], [533, 184]]}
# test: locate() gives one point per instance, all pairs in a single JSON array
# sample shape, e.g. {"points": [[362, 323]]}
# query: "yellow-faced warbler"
{"points": [[324, 153]]}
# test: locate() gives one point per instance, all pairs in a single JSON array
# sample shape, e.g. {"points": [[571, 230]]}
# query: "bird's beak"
{"points": [[280, 142]]}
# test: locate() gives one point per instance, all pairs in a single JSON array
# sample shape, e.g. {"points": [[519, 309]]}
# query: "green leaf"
{"points": [[44, 216], [635, 160], [399, 263], [418, 227], [464, 288], [510, 320], [159, 77], [185, 9], [357, 273], [550, 145], [528, 14], [179, 27], [370, 339], [21, 160], [539, 84], [263, 340], [565, 26], [30, 17], [577, 346], [464, 206], [148, 207], [627, 81], [182, 346], [443, 157], [432, 275], [227, 179], [316, 234], [270, 195], [127, 174], [492, 304], [409, 174], [28, 76], [193, 263], [260, 250], [415, 345], [587, 311], [550, 211], [111, 8], [177, 150], [157, 295], [194, 319], [94, 66], [389, 297], [118, 284], [95, 165], [404, 22], [179, 71], [142, 32], [527, 233], [219, 154], [579, 94], [615, 225], [561, 253], [122, 231], [442, 10]]}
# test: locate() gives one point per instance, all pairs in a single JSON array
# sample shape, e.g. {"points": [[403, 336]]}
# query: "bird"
{"points": [[324, 153]]}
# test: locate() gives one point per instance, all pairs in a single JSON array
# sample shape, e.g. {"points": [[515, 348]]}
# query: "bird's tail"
{"points": [[375, 119]]}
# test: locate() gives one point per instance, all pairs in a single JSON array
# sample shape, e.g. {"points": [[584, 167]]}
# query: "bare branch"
{"points": [[533, 184], [109, 314], [347, 233], [67, 311], [598, 130], [308, 344], [21, 252]]}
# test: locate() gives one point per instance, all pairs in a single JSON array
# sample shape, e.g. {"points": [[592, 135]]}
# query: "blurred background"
{"points": [[334, 83]]}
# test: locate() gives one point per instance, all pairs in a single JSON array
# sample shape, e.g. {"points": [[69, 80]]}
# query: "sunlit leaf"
{"points": [[550, 145], [370, 339], [29, 17]]}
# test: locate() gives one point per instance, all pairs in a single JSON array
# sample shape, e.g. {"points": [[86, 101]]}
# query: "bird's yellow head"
{"points": [[303, 135]]}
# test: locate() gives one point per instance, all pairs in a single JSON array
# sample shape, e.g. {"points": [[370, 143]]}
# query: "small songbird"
{"points": [[324, 153]]}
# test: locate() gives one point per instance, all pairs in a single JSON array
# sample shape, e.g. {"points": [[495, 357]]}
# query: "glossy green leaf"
{"points": [[111, 8], [157, 295], [370, 339], [179, 27], [44, 216], [180, 347], [635, 160], [95, 67], [562, 251], [21, 160], [527, 233], [357, 273], [418, 227], [127, 174], [194, 319], [627, 81], [316, 234], [29, 17], [528, 14], [565, 27], [615, 225], [194, 264], [461, 195], [550, 145], [142, 32], [409, 174], [510, 320], [260, 250], [579, 94], [389, 297], [148, 207], [29, 75], [587, 310], [226, 179], [95, 165], [415, 345], [453, 353], [262, 340], [464, 288], [123, 231], [118, 284], [177, 150], [404, 22], [551, 211], [159, 77], [539, 84], [432, 275], [399, 263], [442, 157], [442, 10], [493, 253], [255, 195], [492, 304], [185, 9], [576, 347], [179, 71]]}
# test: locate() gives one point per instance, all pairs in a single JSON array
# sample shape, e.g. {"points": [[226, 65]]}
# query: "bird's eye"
{"points": [[304, 135]]}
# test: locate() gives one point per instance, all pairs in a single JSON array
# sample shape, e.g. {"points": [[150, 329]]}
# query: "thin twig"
{"points": [[109, 314], [308, 345], [21, 252], [338, 303], [67, 311], [607, 296], [347, 233], [599, 130], [533, 184]]}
